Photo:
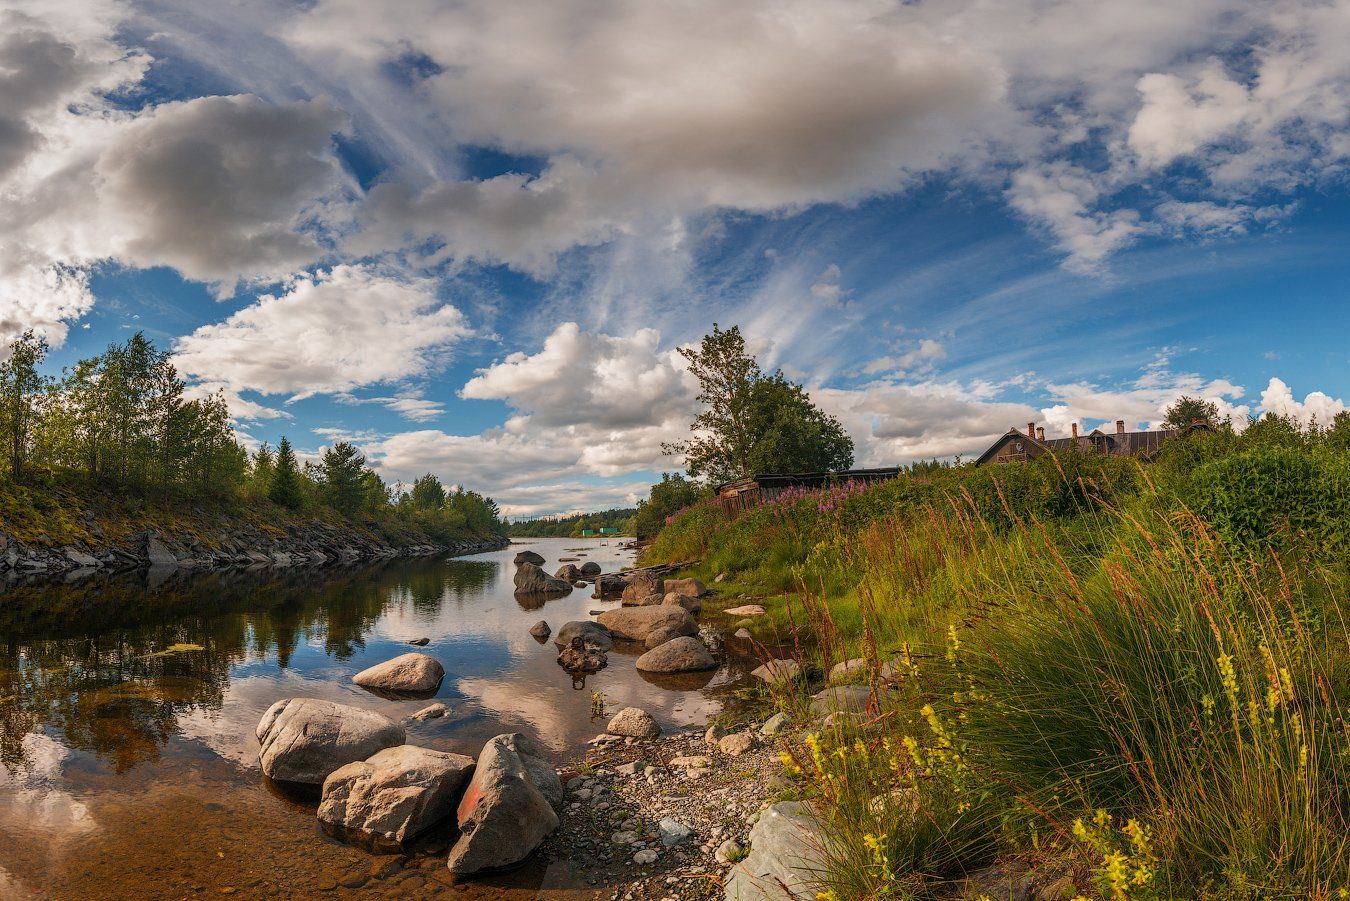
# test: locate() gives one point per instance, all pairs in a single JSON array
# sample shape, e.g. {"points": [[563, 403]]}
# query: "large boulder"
{"points": [[530, 579], [634, 722], [590, 569], [508, 808], [692, 588], [304, 739], [658, 637], [411, 673], [642, 584], [393, 795], [635, 623], [651, 600], [679, 655], [568, 573], [787, 857], [591, 634], [687, 601], [529, 557]]}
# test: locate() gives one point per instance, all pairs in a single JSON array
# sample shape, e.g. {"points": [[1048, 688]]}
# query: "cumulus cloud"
{"points": [[1316, 406], [336, 331]]}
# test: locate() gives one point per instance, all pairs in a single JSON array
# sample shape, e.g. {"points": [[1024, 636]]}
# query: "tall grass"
{"points": [[1135, 678]]}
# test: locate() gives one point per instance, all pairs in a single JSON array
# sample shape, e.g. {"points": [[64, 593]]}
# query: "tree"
{"points": [[21, 391], [342, 473], [668, 496], [1186, 410], [752, 422], [428, 493], [285, 488]]}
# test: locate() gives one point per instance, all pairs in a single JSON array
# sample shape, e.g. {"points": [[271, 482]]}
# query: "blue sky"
{"points": [[470, 236]]}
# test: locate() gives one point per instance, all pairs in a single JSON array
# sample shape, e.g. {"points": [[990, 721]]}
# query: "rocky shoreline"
{"points": [[224, 545]]}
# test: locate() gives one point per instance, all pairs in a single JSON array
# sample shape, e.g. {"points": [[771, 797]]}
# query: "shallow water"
{"points": [[128, 762]]}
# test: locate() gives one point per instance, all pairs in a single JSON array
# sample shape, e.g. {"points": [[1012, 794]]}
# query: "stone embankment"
{"points": [[222, 545]]}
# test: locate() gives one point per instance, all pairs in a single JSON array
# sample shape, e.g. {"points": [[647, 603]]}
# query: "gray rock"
{"points": [[304, 739], [420, 642], [592, 634], [530, 579], [590, 569], [777, 671], [689, 602], [529, 557], [645, 857], [841, 698], [774, 724], [431, 712], [659, 637], [730, 850], [79, 558], [634, 722], [412, 673], [642, 585], [636, 623], [395, 794], [158, 555], [848, 670], [737, 743], [541, 630], [745, 610], [786, 860], [569, 573], [679, 655], [692, 588], [673, 832], [743, 634], [505, 813]]}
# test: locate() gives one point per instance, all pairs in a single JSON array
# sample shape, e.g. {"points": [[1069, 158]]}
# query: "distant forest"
{"points": [[572, 526]]}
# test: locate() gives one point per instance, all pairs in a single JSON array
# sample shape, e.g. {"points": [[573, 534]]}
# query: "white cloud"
{"points": [[346, 328], [1316, 406]]}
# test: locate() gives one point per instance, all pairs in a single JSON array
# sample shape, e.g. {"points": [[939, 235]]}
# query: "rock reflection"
{"points": [[87, 660]]}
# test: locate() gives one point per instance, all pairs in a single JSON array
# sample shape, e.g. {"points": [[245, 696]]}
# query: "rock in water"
{"points": [[776, 671], [590, 569], [578, 658], [420, 642], [505, 812], [634, 722], [530, 579], [304, 740], [658, 637], [412, 673], [745, 610], [394, 795], [541, 630], [636, 623], [568, 573], [592, 634], [679, 655], [529, 557], [787, 857]]}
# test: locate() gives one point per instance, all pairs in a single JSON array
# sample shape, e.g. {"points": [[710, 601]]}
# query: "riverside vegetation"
{"points": [[115, 449], [1101, 677]]}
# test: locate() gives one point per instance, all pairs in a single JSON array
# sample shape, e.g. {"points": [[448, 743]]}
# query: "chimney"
{"points": [[1031, 430], [1040, 434], [1120, 427], [1075, 431]]}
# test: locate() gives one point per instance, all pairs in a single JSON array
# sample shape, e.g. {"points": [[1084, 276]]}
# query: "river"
{"points": [[128, 762]]}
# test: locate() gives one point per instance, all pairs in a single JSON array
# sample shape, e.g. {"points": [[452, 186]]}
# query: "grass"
{"points": [[1093, 678]]}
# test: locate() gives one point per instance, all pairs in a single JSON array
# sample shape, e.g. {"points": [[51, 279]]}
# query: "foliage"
{"points": [[753, 422], [1136, 670], [123, 421], [1186, 410], [571, 526], [669, 496]]}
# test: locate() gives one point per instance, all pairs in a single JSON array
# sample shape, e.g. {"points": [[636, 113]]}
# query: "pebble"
{"points": [[644, 857]]}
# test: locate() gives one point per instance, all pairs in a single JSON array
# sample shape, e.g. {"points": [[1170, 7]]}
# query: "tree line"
{"points": [[572, 526], [123, 420]]}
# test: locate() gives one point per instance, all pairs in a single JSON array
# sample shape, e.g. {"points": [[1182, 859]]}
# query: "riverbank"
{"points": [[47, 533]]}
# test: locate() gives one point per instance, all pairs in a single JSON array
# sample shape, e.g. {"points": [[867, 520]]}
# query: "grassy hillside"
{"points": [[1129, 675]]}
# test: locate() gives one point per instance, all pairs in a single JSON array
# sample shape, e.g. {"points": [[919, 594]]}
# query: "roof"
{"points": [[1120, 444]]}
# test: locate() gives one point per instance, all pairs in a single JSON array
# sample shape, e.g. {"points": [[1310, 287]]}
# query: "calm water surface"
{"points": [[128, 766]]}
